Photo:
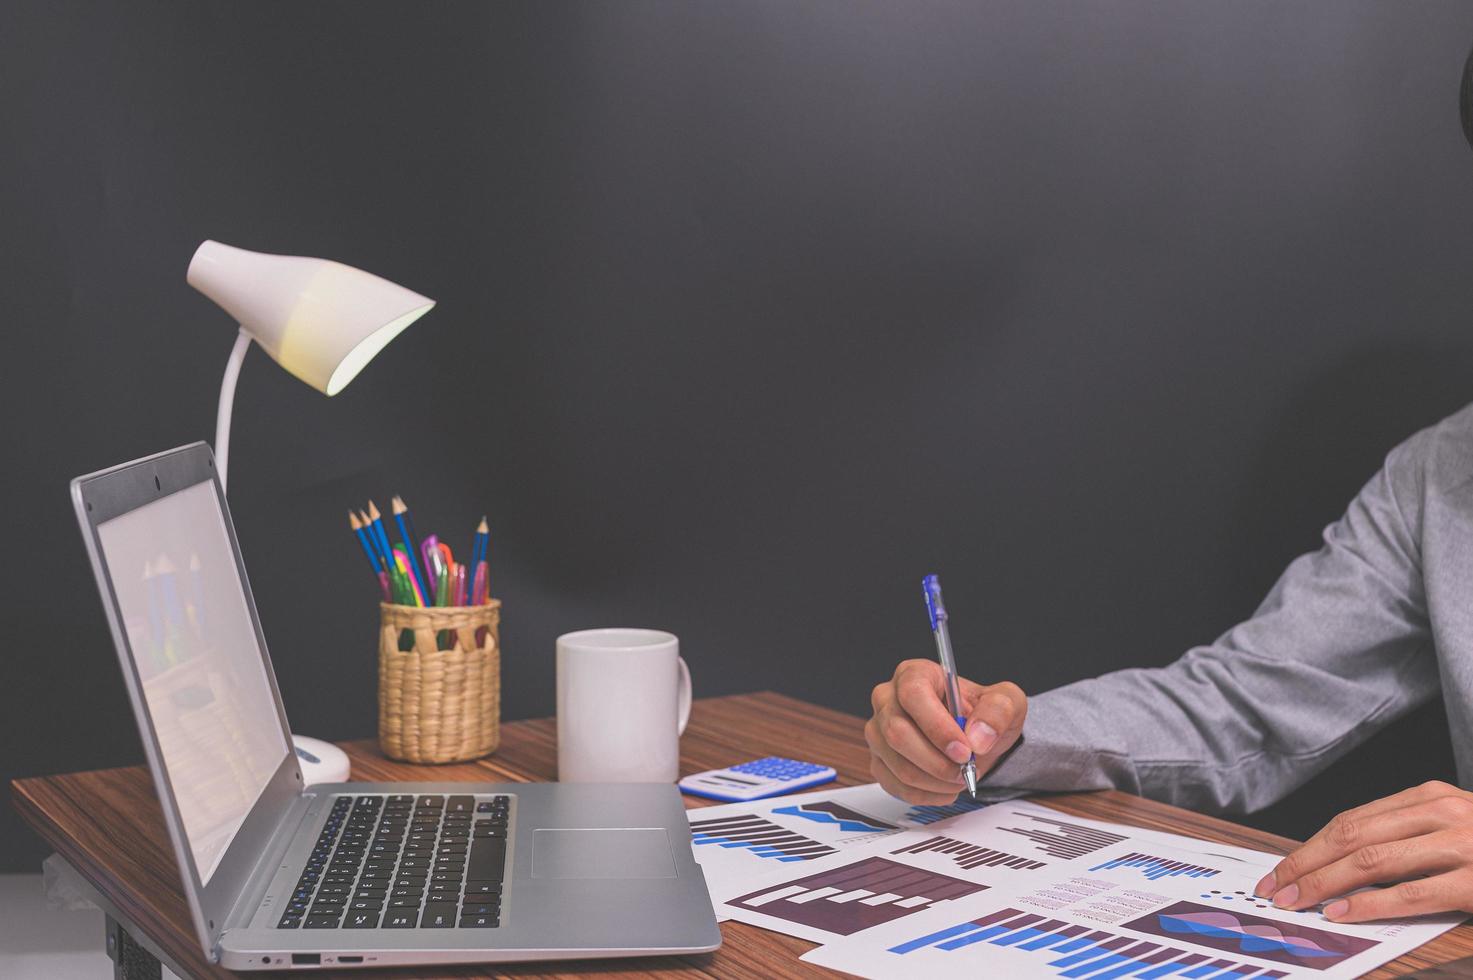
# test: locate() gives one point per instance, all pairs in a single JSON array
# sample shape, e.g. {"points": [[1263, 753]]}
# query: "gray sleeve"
{"points": [[1338, 649]]}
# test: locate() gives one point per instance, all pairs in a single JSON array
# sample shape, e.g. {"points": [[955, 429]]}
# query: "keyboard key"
{"points": [[321, 922], [431, 802], [401, 918], [459, 804], [361, 920], [488, 861], [480, 922], [406, 902], [289, 922], [473, 888], [439, 915], [481, 908]]}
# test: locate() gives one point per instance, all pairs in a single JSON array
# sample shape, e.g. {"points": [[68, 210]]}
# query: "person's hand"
{"points": [[916, 748], [1422, 838]]}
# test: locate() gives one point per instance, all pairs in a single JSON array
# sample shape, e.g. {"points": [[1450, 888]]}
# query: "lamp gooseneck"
{"points": [[227, 402]]}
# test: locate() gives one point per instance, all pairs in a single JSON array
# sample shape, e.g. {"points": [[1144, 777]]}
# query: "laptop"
{"points": [[281, 875]]}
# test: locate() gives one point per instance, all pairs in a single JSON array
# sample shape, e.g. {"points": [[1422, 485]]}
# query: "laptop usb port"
{"points": [[350, 959], [306, 959]]}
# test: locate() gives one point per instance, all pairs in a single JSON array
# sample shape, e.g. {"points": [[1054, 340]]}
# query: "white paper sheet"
{"points": [[1109, 901], [738, 844]]}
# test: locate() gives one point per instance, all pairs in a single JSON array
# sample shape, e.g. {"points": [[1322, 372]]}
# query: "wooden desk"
{"points": [[107, 824]]}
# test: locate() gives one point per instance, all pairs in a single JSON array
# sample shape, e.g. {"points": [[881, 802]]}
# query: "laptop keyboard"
{"points": [[405, 862]]}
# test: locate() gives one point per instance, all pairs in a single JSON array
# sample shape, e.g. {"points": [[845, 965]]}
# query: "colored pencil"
{"points": [[479, 543], [373, 523], [386, 557], [405, 523], [373, 558], [376, 523]]}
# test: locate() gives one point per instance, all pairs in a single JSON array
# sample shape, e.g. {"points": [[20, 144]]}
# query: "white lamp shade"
{"points": [[321, 320]]}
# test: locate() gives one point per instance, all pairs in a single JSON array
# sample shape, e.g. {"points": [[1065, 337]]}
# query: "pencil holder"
{"points": [[439, 705]]}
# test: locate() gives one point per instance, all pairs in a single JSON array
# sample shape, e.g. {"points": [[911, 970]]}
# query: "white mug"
{"points": [[623, 698]]}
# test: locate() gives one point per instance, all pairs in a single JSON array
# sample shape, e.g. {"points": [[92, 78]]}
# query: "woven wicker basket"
{"points": [[439, 705]]}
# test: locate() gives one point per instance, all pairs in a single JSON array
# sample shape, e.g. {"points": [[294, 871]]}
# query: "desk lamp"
{"points": [[321, 320]]}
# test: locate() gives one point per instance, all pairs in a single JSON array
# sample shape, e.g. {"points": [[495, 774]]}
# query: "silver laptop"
{"points": [[278, 874]]}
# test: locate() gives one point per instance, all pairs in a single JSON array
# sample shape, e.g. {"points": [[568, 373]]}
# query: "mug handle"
{"points": [[684, 710]]}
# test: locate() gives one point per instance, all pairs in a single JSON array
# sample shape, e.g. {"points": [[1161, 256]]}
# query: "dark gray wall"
{"points": [[750, 314]]}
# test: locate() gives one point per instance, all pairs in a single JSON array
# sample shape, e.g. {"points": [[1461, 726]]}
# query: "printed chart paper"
{"points": [[902, 874], [741, 843], [1111, 901]]}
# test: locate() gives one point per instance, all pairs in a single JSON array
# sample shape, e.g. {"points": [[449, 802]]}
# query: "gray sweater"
{"points": [[1352, 636]]}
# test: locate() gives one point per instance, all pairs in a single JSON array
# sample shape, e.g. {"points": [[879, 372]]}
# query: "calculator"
{"points": [[772, 776]]}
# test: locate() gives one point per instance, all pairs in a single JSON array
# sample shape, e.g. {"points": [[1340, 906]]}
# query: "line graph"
{"points": [[1251, 935], [828, 812]]}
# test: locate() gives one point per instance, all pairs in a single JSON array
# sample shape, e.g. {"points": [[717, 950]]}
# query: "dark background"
{"points": [[750, 314]]}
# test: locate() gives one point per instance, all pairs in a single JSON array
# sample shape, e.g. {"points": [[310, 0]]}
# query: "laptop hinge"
{"points": [[267, 866]]}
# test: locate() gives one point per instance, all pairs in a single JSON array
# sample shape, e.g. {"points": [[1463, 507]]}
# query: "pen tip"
{"points": [[483, 529], [398, 504], [353, 521], [373, 511]]}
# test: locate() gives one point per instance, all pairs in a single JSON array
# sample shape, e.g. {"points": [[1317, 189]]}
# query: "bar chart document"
{"points": [[740, 844], [1109, 901]]}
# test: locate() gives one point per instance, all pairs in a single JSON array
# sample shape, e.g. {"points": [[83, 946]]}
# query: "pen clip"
{"points": [[931, 586]]}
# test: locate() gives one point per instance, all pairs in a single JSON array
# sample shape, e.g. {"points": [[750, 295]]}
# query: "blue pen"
{"points": [[931, 585]]}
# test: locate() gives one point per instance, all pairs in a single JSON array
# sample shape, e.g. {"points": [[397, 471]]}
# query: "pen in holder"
{"points": [[439, 705]]}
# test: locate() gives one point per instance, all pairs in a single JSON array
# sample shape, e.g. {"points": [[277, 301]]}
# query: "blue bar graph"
{"points": [[1155, 868], [1078, 951], [929, 814]]}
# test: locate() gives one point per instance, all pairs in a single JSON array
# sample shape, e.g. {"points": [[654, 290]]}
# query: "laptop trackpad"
{"points": [[636, 852]]}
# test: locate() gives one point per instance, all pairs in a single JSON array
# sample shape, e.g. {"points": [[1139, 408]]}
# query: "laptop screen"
{"points": [[194, 645]]}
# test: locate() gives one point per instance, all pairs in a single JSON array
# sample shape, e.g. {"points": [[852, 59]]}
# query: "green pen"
{"points": [[442, 598]]}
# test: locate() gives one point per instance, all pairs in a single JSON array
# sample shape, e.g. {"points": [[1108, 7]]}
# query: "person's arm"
{"points": [[1340, 648]]}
